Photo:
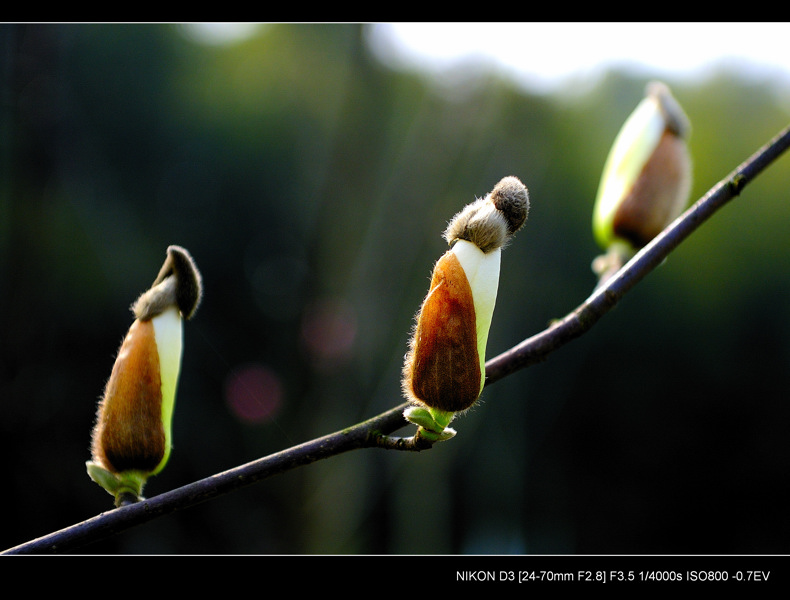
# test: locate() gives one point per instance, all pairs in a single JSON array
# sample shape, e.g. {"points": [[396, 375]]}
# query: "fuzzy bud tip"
{"points": [[490, 222], [178, 283]]}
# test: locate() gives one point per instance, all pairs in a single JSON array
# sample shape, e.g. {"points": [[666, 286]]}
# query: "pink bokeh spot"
{"points": [[329, 330], [254, 393]]}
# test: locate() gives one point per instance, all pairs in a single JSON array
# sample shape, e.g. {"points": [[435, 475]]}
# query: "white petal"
{"points": [[168, 332], [482, 272], [632, 148]]}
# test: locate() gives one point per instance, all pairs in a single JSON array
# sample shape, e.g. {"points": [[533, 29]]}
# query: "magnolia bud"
{"points": [[444, 370], [646, 180], [131, 440]]}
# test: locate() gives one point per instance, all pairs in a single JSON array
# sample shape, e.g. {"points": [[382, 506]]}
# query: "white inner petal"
{"points": [[482, 272], [168, 333], [633, 146]]}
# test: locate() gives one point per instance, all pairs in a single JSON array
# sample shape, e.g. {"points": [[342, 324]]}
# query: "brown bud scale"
{"points": [[442, 369], [129, 435], [649, 206]]}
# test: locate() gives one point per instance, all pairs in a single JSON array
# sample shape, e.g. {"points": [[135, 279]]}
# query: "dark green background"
{"points": [[311, 184]]}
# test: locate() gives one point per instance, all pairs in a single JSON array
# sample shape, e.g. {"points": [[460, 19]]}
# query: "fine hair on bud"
{"points": [[490, 222], [178, 283], [511, 198]]}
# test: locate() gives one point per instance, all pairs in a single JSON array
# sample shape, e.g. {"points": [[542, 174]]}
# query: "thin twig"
{"points": [[375, 432]]}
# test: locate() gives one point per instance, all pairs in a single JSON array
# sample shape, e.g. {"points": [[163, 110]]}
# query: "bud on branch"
{"points": [[131, 440], [646, 180], [444, 370]]}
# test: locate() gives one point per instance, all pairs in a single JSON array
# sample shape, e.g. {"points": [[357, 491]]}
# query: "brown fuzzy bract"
{"points": [[129, 435], [442, 368], [658, 195]]}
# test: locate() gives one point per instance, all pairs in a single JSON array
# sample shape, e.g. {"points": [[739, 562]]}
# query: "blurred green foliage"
{"points": [[311, 184]]}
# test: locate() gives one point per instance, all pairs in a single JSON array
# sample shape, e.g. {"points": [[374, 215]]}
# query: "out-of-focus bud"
{"points": [[444, 370], [646, 179], [131, 439]]}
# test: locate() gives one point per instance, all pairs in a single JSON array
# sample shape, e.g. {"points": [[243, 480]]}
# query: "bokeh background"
{"points": [[311, 183]]}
